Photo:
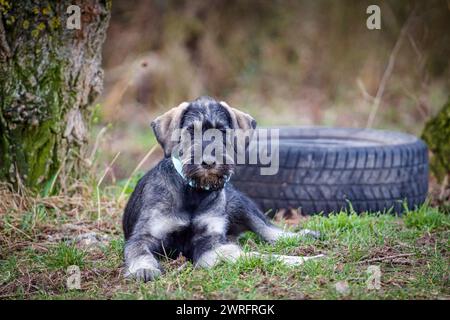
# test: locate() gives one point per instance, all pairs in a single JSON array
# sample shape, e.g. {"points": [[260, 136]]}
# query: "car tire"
{"points": [[324, 170]]}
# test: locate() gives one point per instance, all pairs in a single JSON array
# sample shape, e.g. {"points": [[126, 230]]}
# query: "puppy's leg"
{"points": [[211, 247], [219, 252], [140, 262], [273, 233], [288, 260], [210, 244], [257, 222]]}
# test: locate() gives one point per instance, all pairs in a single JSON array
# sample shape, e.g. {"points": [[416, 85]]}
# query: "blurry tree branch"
{"points": [[388, 71], [366, 95]]}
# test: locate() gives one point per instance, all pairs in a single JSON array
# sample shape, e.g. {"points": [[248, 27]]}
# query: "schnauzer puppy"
{"points": [[189, 207]]}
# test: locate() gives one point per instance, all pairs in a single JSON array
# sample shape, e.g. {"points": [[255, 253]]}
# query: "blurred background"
{"points": [[289, 62]]}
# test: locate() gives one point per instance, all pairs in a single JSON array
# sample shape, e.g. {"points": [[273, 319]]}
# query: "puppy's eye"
{"points": [[190, 128], [220, 128]]}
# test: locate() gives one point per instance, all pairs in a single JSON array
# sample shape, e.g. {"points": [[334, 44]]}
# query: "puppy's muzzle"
{"points": [[208, 175]]}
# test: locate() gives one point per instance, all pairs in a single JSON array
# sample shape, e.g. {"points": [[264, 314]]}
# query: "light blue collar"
{"points": [[179, 168]]}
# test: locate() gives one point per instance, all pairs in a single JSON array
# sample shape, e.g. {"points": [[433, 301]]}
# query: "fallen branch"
{"points": [[124, 189], [386, 258]]}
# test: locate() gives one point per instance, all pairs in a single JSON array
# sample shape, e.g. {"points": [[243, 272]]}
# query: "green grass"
{"points": [[64, 255], [426, 218], [411, 251]]}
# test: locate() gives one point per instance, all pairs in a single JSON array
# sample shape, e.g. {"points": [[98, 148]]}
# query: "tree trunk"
{"points": [[437, 136], [49, 78]]}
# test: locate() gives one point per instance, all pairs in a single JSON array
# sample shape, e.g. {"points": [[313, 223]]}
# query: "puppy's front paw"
{"points": [[146, 275], [143, 268]]}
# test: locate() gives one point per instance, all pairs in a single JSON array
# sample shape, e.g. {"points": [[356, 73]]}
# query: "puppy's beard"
{"points": [[207, 179]]}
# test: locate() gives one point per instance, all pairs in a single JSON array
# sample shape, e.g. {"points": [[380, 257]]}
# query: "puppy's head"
{"points": [[200, 134]]}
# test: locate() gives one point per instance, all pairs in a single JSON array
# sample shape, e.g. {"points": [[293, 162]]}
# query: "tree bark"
{"points": [[49, 78], [437, 136]]}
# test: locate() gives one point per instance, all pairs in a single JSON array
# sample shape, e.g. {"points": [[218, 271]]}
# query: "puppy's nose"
{"points": [[208, 164]]}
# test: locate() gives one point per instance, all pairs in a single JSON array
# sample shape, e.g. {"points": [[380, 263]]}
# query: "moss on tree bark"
{"points": [[437, 135], [49, 77]]}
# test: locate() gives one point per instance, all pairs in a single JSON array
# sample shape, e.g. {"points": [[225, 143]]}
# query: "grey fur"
{"points": [[167, 216]]}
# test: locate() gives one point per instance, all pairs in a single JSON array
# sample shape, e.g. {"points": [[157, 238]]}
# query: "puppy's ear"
{"points": [[164, 126], [239, 119]]}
